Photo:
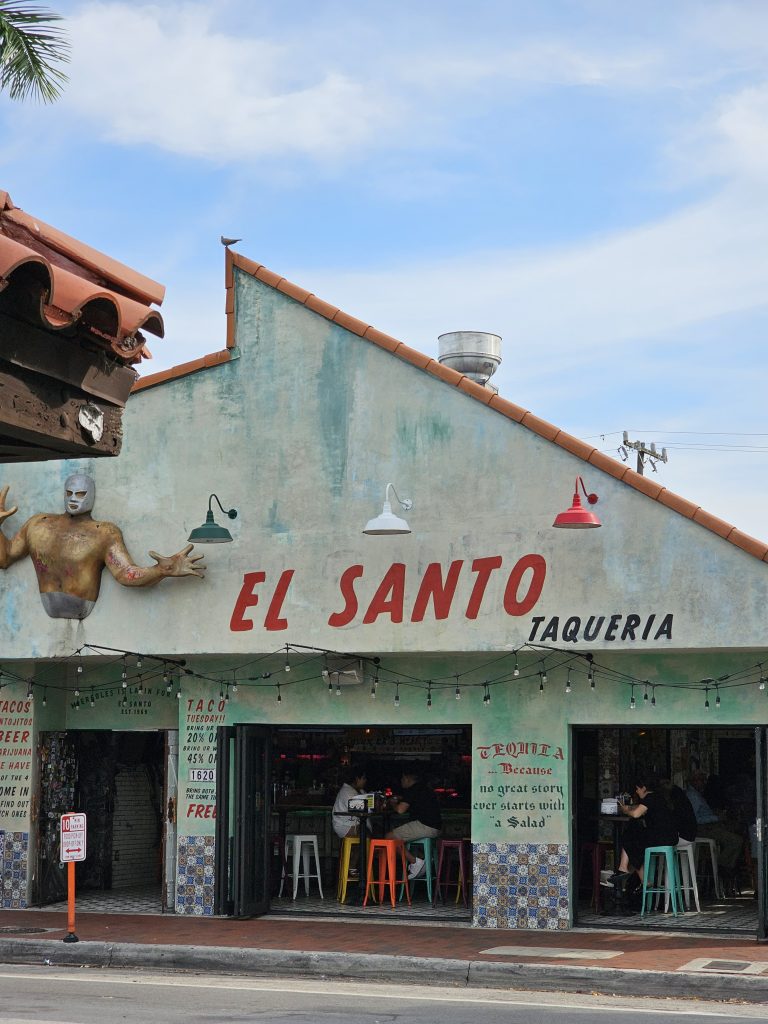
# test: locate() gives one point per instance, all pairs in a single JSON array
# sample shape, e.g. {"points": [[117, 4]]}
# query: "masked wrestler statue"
{"points": [[70, 551]]}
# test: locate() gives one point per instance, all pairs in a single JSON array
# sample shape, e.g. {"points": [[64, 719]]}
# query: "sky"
{"points": [[585, 178]]}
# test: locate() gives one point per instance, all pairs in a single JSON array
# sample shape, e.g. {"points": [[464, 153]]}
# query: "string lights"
{"points": [[160, 674]]}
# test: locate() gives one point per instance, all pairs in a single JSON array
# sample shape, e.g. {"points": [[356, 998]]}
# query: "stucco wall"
{"points": [[301, 434]]}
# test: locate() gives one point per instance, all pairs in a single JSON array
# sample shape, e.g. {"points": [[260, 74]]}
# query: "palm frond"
{"points": [[32, 47]]}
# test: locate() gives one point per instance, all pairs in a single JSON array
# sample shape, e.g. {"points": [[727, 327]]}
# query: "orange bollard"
{"points": [[70, 936]]}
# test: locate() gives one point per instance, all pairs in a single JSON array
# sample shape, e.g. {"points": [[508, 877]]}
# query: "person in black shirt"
{"points": [[653, 824], [420, 803]]}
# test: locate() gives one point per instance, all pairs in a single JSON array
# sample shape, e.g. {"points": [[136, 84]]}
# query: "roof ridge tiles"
{"points": [[574, 445]]}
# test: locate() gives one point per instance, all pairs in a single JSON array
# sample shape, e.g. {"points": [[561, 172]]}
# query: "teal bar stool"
{"points": [[429, 853], [660, 876]]}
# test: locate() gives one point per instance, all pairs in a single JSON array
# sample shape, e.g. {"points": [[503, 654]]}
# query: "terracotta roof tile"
{"points": [[643, 483], [350, 323], [749, 544], [677, 504], [383, 340], [507, 408], [58, 283], [323, 308], [470, 387], [182, 370], [574, 445], [294, 291], [601, 461], [540, 426], [412, 356], [718, 526]]}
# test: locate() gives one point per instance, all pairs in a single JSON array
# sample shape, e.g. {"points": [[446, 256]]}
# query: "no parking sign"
{"points": [[72, 837]]}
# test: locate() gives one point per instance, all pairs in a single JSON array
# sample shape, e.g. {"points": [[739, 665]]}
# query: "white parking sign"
{"points": [[72, 837]]}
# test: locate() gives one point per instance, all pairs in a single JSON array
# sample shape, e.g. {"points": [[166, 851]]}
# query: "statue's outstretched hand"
{"points": [[5, 513], [179, 564]]}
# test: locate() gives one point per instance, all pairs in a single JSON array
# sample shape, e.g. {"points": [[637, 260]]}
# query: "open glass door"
{"points": [[242, 820], [761, 822]]}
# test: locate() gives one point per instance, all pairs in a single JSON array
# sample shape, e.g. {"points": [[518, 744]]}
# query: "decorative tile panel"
{"points": [[14, 849], [194, 881], [521, 885]]}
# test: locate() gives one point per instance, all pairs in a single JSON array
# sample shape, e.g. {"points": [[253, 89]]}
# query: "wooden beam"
{"points": [[65, 358], [43, 414]]}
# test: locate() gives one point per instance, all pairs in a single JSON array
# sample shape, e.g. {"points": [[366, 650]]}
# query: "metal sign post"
{"points": [[72, 849]]}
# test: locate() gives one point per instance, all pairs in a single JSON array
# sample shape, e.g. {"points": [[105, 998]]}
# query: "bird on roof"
{"points": [[229, 241]]}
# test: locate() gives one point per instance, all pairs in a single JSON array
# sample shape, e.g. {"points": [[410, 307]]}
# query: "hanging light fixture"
{"points": [[577, 517], [210, 532], [396, 701], [388, 524]]}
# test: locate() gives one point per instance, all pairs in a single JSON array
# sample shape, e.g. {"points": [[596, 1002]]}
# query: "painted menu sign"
{"points": [[15, 761], [202, 718], [520, 791]]}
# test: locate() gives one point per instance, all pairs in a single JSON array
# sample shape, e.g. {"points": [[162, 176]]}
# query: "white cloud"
{"points": [[165, 76]]}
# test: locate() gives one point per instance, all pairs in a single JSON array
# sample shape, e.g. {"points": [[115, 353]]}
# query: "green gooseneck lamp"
{"points": [[210, 532]]}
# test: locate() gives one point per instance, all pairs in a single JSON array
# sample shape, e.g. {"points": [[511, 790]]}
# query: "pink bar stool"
{"points": [[444, 860]]}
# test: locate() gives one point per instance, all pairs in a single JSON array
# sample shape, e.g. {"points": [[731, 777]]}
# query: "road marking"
{"points": [[552, 953], [357, 991]]}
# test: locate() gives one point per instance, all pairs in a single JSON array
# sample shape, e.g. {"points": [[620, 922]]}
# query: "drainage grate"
{"points": [[17, 929], [726, 966]]}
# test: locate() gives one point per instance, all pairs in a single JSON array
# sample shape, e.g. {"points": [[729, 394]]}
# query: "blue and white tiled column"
{"points": [[194, 881], [521, 885], [14, 850]]}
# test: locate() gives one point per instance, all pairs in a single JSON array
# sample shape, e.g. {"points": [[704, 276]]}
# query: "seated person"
{"points": [[683, 811], [420, 803], [709, 826], [355, 781], [658, 827]]}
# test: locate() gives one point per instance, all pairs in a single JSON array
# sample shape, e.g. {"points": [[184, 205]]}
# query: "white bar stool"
{"points": [[299, 847], [686, 859], [698, 845]]}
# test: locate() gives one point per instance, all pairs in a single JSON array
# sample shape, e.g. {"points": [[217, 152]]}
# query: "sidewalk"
{"points": [[627, 963]]}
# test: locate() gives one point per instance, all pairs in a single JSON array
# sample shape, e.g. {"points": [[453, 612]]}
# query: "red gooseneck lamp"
{"points": [[577, 517]]}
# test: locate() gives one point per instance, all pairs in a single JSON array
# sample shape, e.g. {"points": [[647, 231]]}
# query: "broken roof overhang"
{"points": [[62, 285]]}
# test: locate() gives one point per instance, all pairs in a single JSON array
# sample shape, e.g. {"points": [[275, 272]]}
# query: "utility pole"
{"points": [[645, 453]]}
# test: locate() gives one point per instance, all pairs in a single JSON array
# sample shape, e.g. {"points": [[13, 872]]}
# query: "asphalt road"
{"points": [[46, 995]]}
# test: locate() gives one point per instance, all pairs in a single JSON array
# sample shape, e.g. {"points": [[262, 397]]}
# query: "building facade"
{"points": [[484, 622]]}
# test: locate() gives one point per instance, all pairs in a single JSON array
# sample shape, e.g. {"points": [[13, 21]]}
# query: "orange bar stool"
{"points": [[344, 858], [445, 858], [387, 854]]}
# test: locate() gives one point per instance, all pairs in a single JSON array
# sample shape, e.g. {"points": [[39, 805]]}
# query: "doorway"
{"points": [[120, 781], [296, 773], [725, 761]]}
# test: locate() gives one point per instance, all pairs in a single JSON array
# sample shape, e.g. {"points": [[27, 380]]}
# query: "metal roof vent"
{"points": [[476, 354]]}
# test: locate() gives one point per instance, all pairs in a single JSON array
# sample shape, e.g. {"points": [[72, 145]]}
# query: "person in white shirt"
{"points": [[347, 824]]}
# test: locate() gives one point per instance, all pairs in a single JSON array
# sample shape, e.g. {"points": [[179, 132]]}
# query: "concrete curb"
{"points": [[375, 967]]}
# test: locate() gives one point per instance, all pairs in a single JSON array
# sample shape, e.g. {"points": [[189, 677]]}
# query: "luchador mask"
{"points": [[79, 494]]}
